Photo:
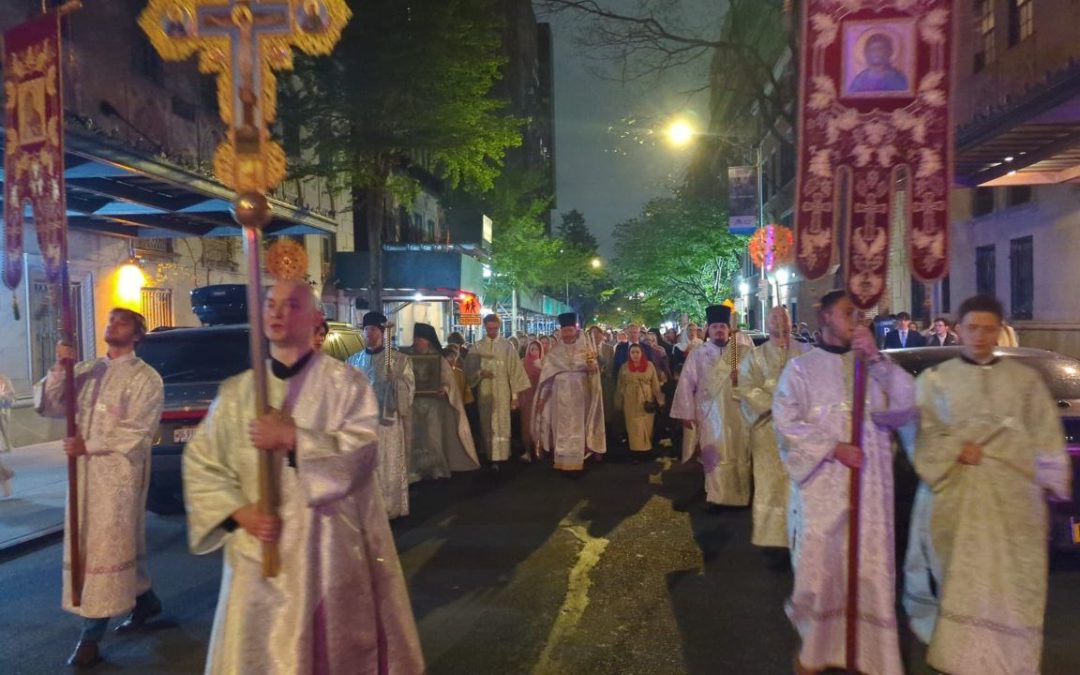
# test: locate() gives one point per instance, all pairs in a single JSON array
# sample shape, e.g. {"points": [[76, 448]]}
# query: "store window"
{"points": [[1022, 278], [985, 270], [45, 324]]}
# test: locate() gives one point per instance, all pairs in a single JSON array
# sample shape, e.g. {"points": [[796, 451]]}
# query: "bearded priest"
{"points": [[339, 603]]}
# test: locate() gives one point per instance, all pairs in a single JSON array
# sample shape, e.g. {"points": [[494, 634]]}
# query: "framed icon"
{"points": [[879, 58]]}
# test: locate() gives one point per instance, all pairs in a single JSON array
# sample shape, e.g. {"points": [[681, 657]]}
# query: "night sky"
{"points": [[607, 179]]}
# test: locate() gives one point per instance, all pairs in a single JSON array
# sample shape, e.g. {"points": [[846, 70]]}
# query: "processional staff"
{"points": [[243, 42]]}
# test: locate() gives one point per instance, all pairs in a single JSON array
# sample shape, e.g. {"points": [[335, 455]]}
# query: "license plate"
{"points": [[183, 434]]}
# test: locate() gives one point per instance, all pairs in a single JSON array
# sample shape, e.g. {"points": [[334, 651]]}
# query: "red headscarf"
{"points": [[533, 363]]}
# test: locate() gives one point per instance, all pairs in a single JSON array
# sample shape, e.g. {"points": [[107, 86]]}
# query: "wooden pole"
{"points": [[67, 333], [854, 499], [253, 212]]}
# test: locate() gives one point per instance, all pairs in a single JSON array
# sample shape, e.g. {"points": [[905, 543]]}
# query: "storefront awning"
{"points": [[114, 190], [442, 273], [1032, 139]]}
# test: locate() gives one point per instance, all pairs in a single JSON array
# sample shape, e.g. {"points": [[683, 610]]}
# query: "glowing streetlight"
{"points": [[744, 288], [596, 263], [680, 133], [783, 276]]}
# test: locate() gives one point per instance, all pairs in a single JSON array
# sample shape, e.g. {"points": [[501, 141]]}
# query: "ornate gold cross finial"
{"points": [[243, 42]]}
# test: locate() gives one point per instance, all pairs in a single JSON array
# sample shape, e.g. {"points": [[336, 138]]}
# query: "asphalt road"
{"points": [[520, 572]]}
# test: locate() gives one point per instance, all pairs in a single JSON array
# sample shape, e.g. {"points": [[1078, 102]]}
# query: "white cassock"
{"points": [[495, 394], [812, 413], [118, 408], [706, 396], [394, 395], [989, 522], [339, 603], [568, 417], [758, 376]]}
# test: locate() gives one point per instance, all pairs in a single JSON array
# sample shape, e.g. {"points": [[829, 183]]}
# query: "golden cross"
{"points": [[243, 42]]}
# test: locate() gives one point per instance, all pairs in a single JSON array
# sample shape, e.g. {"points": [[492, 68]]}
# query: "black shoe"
{"points": [[86, 655], [139, 616]]}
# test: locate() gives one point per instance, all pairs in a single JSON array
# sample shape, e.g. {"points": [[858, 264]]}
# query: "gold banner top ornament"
{"points": [[243, 42]]}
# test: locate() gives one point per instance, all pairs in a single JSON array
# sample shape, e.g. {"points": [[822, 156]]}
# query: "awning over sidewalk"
{"points": [[439, 271], [1032, 139], [114, 190]]}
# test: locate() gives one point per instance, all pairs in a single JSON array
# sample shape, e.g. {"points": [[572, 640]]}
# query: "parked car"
{"points": [[1062, 377], [192, 363]]}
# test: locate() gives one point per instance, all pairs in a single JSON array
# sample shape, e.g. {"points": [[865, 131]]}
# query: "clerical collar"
{"points": [[374, 351], [119, 359], [967, 359], [833, 349], [284, 372]]}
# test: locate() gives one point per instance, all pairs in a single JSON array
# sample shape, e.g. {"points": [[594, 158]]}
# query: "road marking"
{"points": [[577, 597]]}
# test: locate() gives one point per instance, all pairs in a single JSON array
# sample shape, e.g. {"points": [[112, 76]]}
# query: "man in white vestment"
{"points": [[118, 407], [441, 441], [812, 415], [758, 375], [705, 402], [494, 368], [568, 418], [338, 603], [991, 447], [391, 377]]}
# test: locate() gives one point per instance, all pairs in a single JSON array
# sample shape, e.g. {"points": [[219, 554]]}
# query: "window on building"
{"points": [[44, 317], [946, 295], [157, 307], [1017, 195], [1022, 278], [985, 49], [1021, 20], [982, 202], [920, 311], [985, 270]]}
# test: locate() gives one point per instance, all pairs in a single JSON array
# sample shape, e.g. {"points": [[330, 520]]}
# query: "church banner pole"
{"points": [[858, 402]]}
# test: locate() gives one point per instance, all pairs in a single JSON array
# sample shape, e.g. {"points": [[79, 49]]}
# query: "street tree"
{"points": [[677, 256], [407, 92]]}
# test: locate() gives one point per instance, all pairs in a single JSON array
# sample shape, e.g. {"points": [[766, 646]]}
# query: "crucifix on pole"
{"points": [[243, 42]]}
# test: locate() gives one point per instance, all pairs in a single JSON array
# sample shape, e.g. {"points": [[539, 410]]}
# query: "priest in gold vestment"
{"points": [[339, 603]]}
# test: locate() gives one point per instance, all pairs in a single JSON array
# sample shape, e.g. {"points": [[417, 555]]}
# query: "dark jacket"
{"points": [[950, 340], [914, 339]]}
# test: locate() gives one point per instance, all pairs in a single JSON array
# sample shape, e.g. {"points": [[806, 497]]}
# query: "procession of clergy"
{"points": [[769, 425]]}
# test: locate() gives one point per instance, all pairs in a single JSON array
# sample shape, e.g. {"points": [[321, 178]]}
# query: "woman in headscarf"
{"points": [[533, 361], [639, 397], [545, 343]]}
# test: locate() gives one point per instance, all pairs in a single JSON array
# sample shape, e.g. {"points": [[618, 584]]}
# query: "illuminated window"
{"points": [[985, 47], [1021, 20]]}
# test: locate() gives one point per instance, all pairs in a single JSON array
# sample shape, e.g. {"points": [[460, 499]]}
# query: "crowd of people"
{"points": [[771, 427]]}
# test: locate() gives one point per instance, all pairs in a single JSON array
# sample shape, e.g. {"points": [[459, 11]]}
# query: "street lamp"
{"points": [[596, 263], [680, 133]]}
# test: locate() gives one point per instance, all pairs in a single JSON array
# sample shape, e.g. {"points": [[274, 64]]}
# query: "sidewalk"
{"points": [[36, 505]]}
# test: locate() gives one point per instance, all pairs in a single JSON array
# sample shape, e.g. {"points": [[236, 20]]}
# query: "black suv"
{"points": [[192, 363]]}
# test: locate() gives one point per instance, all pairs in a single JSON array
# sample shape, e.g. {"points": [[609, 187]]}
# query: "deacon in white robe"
{"points": [[339, 602], [118, 407], [393, 384], [494, 369], [758, 375], [441, 441], [705, 401], [991, 447], [812, 415], [568, 418]]}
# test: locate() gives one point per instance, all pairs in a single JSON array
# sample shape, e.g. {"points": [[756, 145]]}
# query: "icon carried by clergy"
{"points": [[178, 22], [879, 58], [311, 16], [32, 111]]}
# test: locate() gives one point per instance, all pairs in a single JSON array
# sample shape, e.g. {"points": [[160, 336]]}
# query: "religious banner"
{"points": [[34, 145], [874, 114], [743, 208]]}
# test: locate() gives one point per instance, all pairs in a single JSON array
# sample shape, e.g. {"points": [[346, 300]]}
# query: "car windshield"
{"points": [[195, 356]]}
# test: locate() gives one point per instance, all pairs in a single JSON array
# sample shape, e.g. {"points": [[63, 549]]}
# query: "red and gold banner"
{"points": [[34, 145], [874, 114]]}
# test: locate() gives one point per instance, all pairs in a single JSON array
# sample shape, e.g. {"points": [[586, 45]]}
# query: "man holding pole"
{"points": [[118, 407], [812, 412], [338, 604]]}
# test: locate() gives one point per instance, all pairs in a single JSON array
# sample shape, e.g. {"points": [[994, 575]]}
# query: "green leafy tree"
{"points": [[677, 256], [409, 86]]}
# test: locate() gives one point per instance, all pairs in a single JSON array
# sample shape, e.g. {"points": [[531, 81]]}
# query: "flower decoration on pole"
{"points": [[772, 246]]}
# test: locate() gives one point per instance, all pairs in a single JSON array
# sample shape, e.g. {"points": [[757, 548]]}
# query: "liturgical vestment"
{"points": [[705, 395], [118, 408], [496, 393], [758, 375], [569, 406], [393, 386], [812, 413], [339, 603], [989, 521]]}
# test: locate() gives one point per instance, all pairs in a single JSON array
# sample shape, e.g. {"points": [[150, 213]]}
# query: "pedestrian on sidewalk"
{"points": [[338, 603], [992, 449], [7, 400], [812, 414], [118, 407]]}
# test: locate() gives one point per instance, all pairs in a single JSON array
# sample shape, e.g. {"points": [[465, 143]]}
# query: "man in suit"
{"points": [[904, 336], [940, 335]]}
